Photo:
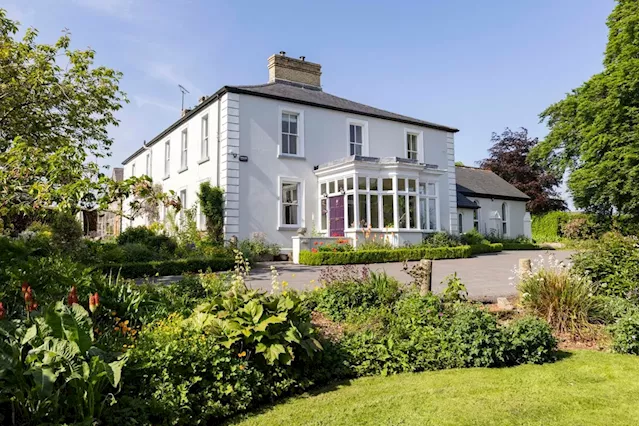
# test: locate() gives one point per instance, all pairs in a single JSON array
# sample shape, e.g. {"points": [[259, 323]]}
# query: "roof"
{"points": [[473, 182], [300, 94], [465, 203]]}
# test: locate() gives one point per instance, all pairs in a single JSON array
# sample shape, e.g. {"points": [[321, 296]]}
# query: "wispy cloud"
{"points": [[141, 101], [168, 73], [117, 8]]}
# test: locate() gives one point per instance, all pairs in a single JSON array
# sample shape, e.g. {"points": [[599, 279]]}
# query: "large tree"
{"points": [[594, 129], [508, 159], [55, 111]]}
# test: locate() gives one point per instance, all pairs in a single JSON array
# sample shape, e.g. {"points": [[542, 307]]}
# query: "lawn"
{"points": [[584, 387]]}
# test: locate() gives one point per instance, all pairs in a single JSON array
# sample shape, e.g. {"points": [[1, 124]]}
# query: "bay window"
{"points": [[428, 206]]}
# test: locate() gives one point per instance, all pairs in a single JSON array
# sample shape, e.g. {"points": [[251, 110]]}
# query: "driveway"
{"points": [[485, 276]]}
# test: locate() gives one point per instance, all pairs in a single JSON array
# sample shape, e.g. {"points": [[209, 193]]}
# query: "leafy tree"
{"points": [[508, 159], [55, 111], [594, 129], [212, 204]]}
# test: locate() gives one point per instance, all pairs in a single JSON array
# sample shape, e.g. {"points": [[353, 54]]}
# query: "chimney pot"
{"points": [[302, 58], [283, 53], [202, 99]]}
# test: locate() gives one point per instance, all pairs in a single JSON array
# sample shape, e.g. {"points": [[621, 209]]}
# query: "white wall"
{"points": [[325, 140], [515, 216], [196, 172]]}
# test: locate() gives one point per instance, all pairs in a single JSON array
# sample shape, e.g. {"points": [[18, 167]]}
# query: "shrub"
{"points": [[579, 228], [167, 267], [612, 264], [51, 372], [67, 231], [560, 296], [548, 227], [339, 245], [486, 248], [379, 256], [625, 333], [212, 204], [473, 237], [608, 309], [257, 247], [523, 246], [338, 298], [440, 239], [136, 252], [530, 341], [143, 235]]}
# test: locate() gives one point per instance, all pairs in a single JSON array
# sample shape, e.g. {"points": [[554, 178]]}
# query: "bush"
{"points": [[523, 246], [440, 239], [159, 243], [530, 341], [560, 296], [380, 256], [612, 265], [625, 333], [338, 298], [136, 252], [473, 237], [257, 247], [167, 267], [212, 205], [579, 228], [548, 227], [486, 248]]}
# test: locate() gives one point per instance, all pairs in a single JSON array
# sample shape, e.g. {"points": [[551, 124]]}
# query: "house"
{"points": [[110, 222], [490, 204], [292, 157]]}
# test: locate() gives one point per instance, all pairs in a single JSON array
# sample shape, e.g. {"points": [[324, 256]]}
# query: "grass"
{"points": [[583, 387]]}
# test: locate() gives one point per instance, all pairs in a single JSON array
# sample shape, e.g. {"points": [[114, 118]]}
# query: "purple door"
{"points": [[336, 216]]}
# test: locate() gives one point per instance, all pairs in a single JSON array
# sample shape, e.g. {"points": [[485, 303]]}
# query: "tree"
{"points": [[508, 159], [55, 111], [594, 129]]}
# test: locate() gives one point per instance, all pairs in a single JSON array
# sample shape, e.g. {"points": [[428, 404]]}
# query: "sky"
{"points": [[476, 66]]}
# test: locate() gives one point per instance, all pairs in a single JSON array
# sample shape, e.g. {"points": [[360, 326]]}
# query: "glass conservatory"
{"points": [[396, 197]]}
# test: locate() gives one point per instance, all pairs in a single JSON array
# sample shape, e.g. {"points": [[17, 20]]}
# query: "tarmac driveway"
{"points": [[485, 276]]}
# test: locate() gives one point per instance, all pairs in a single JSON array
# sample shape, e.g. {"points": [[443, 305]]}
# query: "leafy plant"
{"points": [[473, 237], [440, 239], [530, 341], [212, 204], [455, 289], [379, 256], [50, 372], [257, 247], [625, 333]]}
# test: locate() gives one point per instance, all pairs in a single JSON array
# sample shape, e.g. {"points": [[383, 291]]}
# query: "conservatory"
{"points": [[393, 198]]}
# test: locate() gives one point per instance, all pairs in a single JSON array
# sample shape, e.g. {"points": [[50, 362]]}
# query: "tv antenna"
{"points": [[184, 92]]}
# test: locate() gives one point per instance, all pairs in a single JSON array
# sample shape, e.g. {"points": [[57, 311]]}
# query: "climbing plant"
{"points": [[212, 204]]}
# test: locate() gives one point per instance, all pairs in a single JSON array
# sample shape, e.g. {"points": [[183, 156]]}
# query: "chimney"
{"points": [[185, 112], [284, 68], [202, 99]]}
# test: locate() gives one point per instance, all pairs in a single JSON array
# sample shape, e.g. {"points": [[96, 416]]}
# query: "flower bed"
{"points": [[486, 248], [167, 267], [381, 256]]}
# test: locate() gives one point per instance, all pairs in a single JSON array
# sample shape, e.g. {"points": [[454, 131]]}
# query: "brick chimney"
{"points": [[284, 68]]}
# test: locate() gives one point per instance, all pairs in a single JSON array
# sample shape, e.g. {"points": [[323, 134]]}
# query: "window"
{"points": [[183, 201], [204, 141], [133, 169], [504, 219], [412, 146], [355, 139], [167, 158], [290, 133], [148, 164], [183, 150], [476, 217], [290, 204], [459, 223], [428, 206]]}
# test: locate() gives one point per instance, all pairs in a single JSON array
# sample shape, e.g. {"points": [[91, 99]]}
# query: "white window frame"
{"points": [[426, 196], [133, 169], [167, 159], [476, 216], [148, 164], [365, 135], [184, 150], [504, 213], [204, 138], [183, 200], [301, 203], [300, 147], [419, 143]]}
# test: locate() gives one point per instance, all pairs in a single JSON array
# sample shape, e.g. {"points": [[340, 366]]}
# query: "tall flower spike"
{"points": [[94, 302], [72, 298]]}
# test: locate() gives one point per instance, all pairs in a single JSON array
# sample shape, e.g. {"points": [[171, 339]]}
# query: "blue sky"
{"points": [[477, 66]]}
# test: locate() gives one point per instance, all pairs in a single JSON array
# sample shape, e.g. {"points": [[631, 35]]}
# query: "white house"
{"points": [[290, 155]]}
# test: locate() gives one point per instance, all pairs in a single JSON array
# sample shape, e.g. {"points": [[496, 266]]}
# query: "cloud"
{"points": [[141, 101], [167, 73], [117, 8]]}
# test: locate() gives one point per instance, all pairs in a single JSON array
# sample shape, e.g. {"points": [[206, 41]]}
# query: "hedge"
{"points": [[486, 248], [168, 267], [381, 256], [524, 246], [548, 227]]}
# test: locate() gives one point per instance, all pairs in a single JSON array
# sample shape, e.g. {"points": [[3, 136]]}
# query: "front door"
{"points": [[336, 216]]}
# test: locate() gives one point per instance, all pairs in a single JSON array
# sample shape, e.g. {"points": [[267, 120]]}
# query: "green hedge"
{"points": [[381, 256], [547, 228], [486, 248], [523, 246], [168, 267]]}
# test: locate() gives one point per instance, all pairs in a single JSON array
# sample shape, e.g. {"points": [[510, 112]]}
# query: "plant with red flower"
{"points": [[314, 250], [94, 302], [315, 243], [72, 298], [25, 286], [3, 311]]}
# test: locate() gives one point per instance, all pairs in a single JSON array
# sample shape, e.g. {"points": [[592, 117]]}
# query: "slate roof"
{"points": [[310, 95], [295, 93], [465, 203], [473, 182]]}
